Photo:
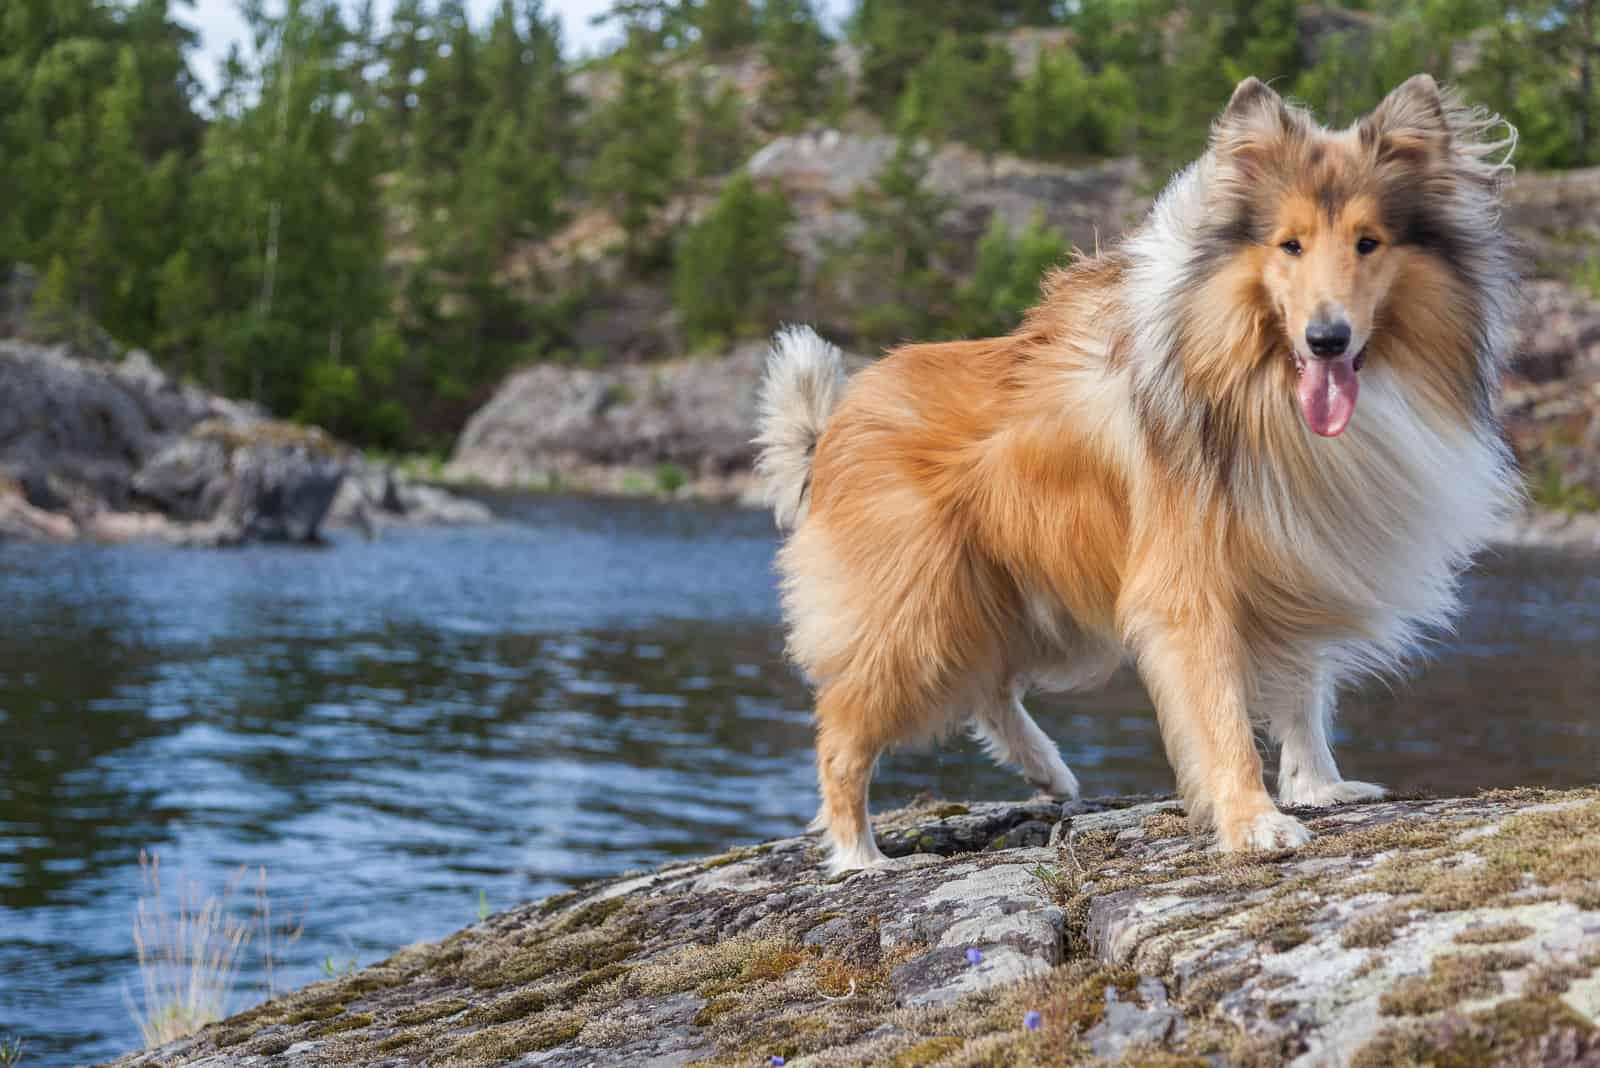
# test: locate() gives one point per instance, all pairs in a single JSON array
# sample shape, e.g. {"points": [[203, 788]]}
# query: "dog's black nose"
{"points": [[1328, 340]]}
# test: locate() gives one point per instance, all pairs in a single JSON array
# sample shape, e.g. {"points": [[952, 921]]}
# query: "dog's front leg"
{"points": [[1298, 710], [1195, 669]]}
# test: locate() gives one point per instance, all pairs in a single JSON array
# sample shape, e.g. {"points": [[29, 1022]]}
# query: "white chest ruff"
{"points": [[1385, 516]]}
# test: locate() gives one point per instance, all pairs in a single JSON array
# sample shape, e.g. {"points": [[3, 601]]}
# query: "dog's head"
{"points": [[1331, 227]]}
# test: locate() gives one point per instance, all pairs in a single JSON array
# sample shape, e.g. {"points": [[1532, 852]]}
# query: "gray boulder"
{"points": [[237, 482]]}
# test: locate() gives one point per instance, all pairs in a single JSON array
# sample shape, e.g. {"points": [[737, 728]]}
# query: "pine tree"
{"points": [[1005, 282], [733, 268], [798, 53], [724, 26], [1061, 111], [896, 270], [53, 315], [640, 133], [716, 133], [960, 93]]}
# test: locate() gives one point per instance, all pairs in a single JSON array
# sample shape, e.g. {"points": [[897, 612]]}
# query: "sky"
{"points": [[219, 25]]}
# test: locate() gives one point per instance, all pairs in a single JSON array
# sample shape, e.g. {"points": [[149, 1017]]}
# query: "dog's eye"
{"points": [[1291, 246], [1366, 245]]}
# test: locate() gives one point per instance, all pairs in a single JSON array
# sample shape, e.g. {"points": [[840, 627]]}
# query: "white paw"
{"points": [[860, 856], [1059, 783], [1270, 830], [1302, 793]]}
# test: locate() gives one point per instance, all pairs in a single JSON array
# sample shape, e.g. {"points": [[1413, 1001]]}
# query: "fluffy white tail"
{"points": [[805, 379]]}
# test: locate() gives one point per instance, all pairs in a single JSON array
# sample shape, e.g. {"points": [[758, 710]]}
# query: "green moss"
{"points": [[322, 1010], [430, 1011], [398, 1040], [496, 1045], [532, 963], [714, 1008], [1286, 938], [1508, 1033], [589, 980], [270, 1046], [773, 965], [1452, 979], [944, 812], [513, 1007], [557, 902], [1555, 848], [592, 914], [235, 1035], [371, 981], [927, 1052], [352, 1022]]}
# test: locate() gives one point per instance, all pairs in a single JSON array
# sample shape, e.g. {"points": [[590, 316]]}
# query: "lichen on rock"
{"points": [[1462, 931]]}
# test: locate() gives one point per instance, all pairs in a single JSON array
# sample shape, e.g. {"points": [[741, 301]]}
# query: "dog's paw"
{"points": [[1060, 785], [1269, 830], [859, 857], [1303, 794]]}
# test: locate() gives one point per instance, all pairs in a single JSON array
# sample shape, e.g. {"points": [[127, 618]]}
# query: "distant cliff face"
{"points": [[1462, 931]]}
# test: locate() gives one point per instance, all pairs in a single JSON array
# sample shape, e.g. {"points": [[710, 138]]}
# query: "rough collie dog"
{"points": [[1250, 448]]}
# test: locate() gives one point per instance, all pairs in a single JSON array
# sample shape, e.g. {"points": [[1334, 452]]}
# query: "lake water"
{"points": [[393, 729]]}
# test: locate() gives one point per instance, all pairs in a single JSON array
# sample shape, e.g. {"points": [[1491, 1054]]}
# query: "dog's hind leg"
{"points": [[1011, 736], [1298, 712], [847, 752]]}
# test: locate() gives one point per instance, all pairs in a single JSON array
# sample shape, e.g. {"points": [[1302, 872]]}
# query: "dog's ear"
{"points": [[1254, 121], [1409, 126]]}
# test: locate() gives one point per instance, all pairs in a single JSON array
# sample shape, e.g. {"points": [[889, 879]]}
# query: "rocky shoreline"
{"points": [[1460, 931], [105, 451]]}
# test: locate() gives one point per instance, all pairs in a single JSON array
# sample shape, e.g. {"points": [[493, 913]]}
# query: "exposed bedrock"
{"points": [[1460, 931]]}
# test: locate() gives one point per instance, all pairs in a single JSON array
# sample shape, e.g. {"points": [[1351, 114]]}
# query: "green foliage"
{"points": [[53, 317], [724, 25], [10, 1051], [1005, 283], [354, 228], [959, 93], [669, 479], [717, 140], [897, 270], [797, 51], [732, 268], [639, 135], [1063, 111]]}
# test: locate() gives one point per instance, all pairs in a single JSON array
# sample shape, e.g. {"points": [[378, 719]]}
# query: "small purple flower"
{"points": [[778, 1062], [1032, 1020], [974, 956]]}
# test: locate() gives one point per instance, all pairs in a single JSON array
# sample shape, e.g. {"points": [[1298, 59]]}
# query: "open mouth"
{"points": [[1328, 390]]}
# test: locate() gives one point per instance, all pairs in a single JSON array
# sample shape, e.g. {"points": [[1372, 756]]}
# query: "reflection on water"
{"points": [[588, 687]]}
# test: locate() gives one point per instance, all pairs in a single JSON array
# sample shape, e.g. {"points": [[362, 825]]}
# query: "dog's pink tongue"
{"points": [[1328, 391]]}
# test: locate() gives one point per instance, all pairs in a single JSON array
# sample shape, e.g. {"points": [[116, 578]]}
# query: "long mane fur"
{"points": [[1395, 507]]}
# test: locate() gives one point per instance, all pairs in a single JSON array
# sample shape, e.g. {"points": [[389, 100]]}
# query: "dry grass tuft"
{"points": [[1454, 978], [190, 949]]}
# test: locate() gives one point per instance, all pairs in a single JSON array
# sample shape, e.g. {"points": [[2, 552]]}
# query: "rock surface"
{"points": [[1462, 931], [118, 451]]}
